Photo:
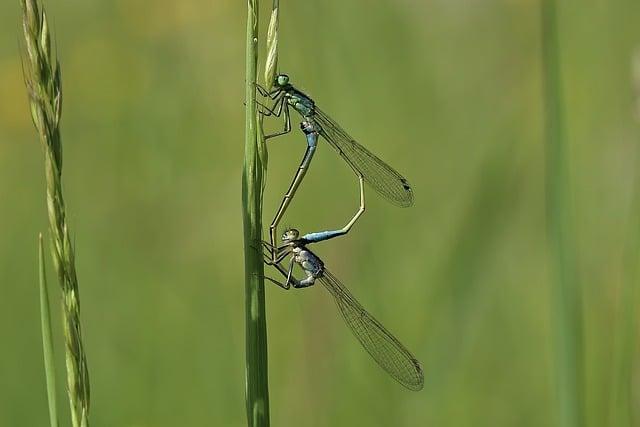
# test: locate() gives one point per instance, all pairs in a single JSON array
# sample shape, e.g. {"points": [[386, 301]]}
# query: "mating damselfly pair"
{"points": [[385, 349]]}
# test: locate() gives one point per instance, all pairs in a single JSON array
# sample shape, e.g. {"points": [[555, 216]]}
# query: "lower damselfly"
{"points": [[386, 350], [367, 166]]}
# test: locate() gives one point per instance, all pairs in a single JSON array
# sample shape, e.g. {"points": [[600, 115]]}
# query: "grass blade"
{"points": [[257, 388], [566, 295], [47, 340]]}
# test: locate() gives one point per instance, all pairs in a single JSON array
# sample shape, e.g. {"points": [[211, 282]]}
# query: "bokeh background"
{"points": [[447, 91]]}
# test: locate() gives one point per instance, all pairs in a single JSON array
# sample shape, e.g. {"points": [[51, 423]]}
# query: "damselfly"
{"points": [[385, 349], [367, 166]]}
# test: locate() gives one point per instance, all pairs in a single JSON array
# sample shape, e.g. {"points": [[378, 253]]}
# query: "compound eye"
{"points": [[282, 80]]}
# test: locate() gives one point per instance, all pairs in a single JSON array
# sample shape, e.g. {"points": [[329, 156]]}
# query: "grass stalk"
{"points": [[47, 340], [257, 387], [44, 85], [621, 413], [567, 304], [621, 403]]}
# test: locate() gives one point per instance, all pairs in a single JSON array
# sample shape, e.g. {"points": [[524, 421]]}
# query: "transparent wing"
{"points": [[382, 177], [385, 349]]}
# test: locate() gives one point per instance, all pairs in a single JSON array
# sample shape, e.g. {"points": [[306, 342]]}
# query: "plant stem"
{"points": [[621, 405], [621, 401], [47, 340], [44, 84], [257, 387], [567, 315]]}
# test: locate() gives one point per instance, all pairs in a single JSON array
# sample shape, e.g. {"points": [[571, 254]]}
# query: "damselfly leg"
{"points": [[290, 279], [281, 252], [264, 92], [286, 273]]}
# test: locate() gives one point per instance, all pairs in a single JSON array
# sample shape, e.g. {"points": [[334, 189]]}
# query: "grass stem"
{"points": [[621, 406], [566, 295], [257, 388]]}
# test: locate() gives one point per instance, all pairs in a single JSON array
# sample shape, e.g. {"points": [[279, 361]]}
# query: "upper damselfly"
{"points": [[383, 178]]}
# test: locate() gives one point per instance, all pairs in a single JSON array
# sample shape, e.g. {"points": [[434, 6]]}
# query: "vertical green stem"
{"points": [[47, 340], [621, 405], [567, 315], [257, 388]]}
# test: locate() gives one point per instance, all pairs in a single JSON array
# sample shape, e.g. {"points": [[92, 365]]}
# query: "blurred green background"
{"points": [[449, 92]]}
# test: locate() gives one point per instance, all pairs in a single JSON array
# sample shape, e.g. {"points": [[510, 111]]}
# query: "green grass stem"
{"points": [[566, 295], [621, 412], [44, 84], [257, 387], [47, 340]]}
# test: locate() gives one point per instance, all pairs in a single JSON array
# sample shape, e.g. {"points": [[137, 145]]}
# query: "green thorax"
{"points": [[300, 102]]}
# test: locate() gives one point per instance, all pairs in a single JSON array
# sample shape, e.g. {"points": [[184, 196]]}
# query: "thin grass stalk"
{"points": [[566, 310], [621, 398], [44, 85], [47, 340], [257, 387], [621, 412]]}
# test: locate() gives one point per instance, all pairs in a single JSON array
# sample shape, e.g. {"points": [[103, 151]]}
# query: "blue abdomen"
{"points": [[320, 236]]}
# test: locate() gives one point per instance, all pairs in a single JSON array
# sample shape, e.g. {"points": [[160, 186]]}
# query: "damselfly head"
{"points": [[282, 80], [290, 235]]}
